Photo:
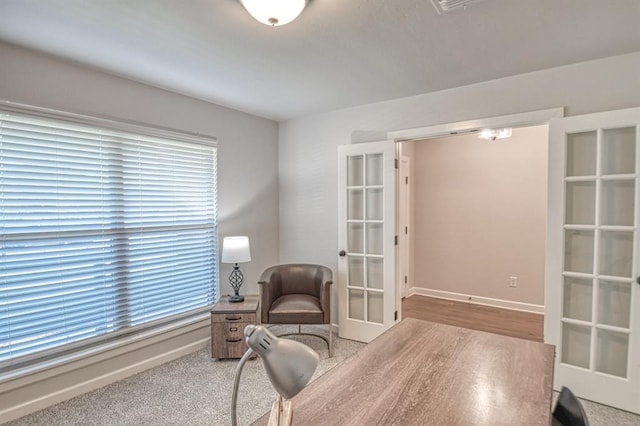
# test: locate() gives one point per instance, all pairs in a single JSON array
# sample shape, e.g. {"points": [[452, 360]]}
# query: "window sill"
{"points": [[38, 386]]}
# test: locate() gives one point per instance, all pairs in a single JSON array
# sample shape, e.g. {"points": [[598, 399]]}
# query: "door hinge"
{"points": [[396, 240], [406, 230], [405, 279], [395, 162], [406, 180], [395, 316]]}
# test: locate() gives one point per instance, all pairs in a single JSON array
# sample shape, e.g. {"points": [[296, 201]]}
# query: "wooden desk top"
{"points": [[223, 306], [423, 373]]}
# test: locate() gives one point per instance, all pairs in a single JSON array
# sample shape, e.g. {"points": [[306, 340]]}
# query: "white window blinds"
{"points": [[102, 232]]}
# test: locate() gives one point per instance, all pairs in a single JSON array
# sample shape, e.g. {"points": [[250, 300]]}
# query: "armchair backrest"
{"points": [[303, 278]]}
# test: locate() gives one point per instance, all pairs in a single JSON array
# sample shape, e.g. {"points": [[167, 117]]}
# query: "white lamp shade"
{"points": [[274, 12], [236, 250], [289, 364]]}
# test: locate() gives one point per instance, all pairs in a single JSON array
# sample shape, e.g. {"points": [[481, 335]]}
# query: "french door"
{"points": [[592, 296], [366, 238]]}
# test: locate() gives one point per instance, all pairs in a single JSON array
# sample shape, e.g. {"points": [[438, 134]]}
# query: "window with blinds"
{"points": [[102, 232]]}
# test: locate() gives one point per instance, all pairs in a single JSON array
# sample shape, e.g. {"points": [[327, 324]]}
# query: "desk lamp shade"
{"points": [[289, 364], [236, 250]]}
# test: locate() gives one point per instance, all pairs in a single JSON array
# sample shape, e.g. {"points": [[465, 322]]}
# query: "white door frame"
{"points": [[531, 118], [404, 223]]}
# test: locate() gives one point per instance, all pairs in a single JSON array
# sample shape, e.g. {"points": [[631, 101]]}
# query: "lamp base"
{"points": [[235, 298], [281, 413]]}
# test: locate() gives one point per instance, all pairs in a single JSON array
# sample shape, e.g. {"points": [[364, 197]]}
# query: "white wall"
{"points": [[247, 203], [480, 208], [308, 154]]}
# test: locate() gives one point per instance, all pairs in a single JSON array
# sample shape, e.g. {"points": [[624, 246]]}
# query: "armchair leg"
{"points": [[330, 340]]}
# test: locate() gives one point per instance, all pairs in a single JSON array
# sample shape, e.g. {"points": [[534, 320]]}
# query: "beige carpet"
{"points": [[194, 390]]}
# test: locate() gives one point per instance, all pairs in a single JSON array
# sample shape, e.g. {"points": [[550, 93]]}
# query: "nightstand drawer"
{"points": [[227, 340], [234, 317]]}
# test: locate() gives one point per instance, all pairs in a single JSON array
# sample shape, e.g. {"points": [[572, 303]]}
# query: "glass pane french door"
{"points": [[364, 237], [596, 325], [367, 262]]}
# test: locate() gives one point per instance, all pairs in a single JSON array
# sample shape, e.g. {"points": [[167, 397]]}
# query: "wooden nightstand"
{"points": [[228, 321]]}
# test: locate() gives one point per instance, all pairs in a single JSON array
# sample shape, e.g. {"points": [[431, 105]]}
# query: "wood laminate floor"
{"points": [[507, 322]]}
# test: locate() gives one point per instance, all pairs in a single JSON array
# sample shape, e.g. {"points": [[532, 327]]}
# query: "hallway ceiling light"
{"points": [[494, 134], [274, 12]]}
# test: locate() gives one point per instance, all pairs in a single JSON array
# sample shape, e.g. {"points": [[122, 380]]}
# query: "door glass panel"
{"points": [[374, 204], [619, 151], [355, 238], [374, 272], [616, 251], [374, 169], [356, 304], [374, 308], [581, 154], [355, 204], [355, 170], [576, 345], [614, 303], [578, 251], [578, 294], [374, 238], [356, 271], [612, 349], [581, 203], [617, 203]]}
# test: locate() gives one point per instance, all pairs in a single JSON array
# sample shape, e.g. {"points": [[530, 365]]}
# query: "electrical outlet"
{"points": [[513, 281]]}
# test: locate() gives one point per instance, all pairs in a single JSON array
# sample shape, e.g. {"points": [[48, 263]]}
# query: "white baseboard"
{"points": [[487, 301], [66, 385]]}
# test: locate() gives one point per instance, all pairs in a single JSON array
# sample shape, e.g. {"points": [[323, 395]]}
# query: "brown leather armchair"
{"points": [[297, 294]]}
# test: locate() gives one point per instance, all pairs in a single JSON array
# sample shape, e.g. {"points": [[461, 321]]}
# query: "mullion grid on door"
{"points": [[596, 254]]}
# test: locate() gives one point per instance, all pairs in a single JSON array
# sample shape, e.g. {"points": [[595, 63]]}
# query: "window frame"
{"points": [[52, 357]]}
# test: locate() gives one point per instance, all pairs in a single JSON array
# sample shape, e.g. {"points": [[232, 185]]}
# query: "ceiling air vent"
{"points": [[446, 6]]}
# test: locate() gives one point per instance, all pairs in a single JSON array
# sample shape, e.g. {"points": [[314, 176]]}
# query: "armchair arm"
{"points": [[270, 284], [325, 277]]}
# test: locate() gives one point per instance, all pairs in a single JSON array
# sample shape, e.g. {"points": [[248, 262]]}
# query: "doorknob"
{"points": [[343, 253]]}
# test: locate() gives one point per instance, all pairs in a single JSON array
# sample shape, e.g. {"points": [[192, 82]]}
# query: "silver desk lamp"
{"points": [[289, 365]]}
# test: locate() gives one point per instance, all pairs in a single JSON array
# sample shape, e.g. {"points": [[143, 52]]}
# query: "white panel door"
{"points": [[592, 296], [366, 237]]}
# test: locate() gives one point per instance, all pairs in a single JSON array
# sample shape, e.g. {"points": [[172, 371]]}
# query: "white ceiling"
{"points": [[338, 53]]}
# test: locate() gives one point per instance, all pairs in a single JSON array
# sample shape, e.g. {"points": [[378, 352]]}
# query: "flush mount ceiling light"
{"points": [[494, 134], [274, 12]]}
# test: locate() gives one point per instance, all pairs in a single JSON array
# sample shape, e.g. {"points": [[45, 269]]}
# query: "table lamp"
{"points": [[289, 365], [236, 250]]}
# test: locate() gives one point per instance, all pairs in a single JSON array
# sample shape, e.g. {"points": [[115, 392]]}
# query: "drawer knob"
{"points": [[234, 340]]}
